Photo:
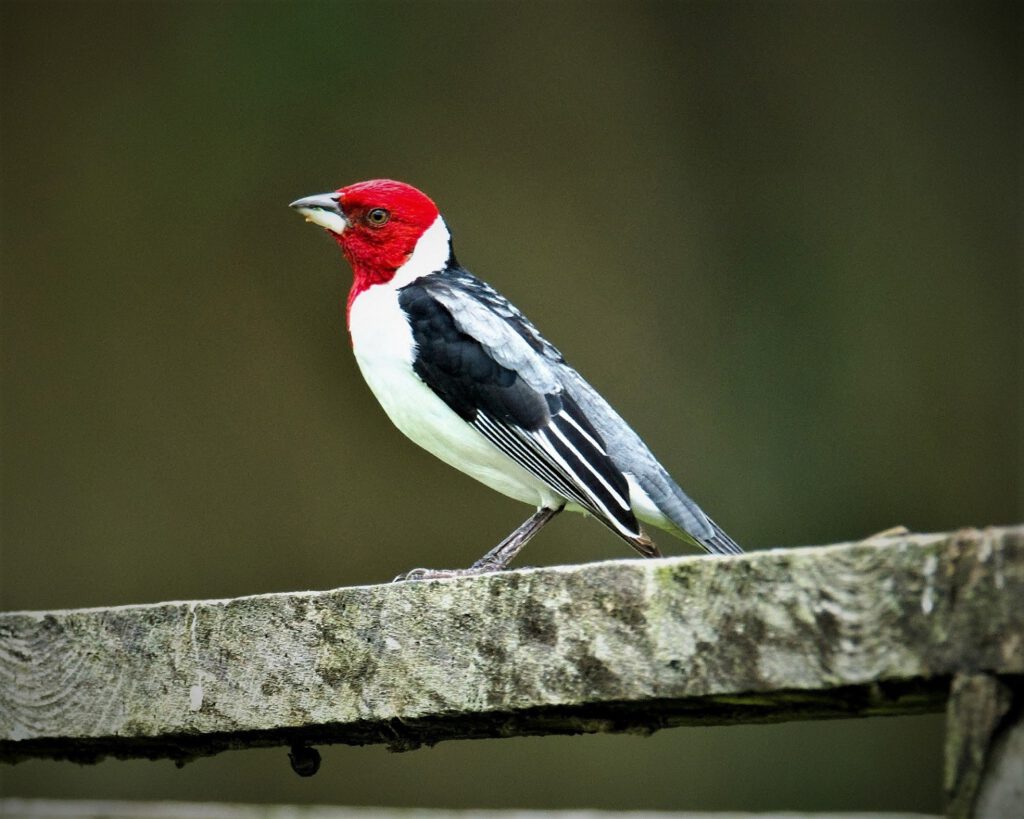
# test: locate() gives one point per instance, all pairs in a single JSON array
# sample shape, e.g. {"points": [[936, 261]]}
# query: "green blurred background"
{"points": [[782, 238]]}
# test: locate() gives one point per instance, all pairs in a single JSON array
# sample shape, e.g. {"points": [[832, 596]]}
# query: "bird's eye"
{"points": [[377, 217]]}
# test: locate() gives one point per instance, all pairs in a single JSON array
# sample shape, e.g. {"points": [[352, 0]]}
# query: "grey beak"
{"points": [[321, 201], [324, 210]]}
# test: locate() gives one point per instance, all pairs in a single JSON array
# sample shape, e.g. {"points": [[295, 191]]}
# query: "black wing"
{"points": [[544, 431]]}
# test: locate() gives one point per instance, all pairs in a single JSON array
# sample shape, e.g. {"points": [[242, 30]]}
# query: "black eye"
{"points": [[377, 217]]}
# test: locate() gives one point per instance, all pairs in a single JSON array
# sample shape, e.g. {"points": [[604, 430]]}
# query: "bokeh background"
{"points": [[782, 238]]}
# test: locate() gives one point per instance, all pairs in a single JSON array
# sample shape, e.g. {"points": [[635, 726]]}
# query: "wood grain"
{"points": [[877, 627]]}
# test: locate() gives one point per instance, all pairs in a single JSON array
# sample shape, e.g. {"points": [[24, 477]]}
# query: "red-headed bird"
{"points": [[464, 374]]}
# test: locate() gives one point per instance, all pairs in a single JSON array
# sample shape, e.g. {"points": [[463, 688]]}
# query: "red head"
{"points": [[377, 225]]}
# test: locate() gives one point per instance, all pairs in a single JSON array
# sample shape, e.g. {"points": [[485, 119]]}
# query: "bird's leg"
{"points": [[501, 555], [497, 558]]}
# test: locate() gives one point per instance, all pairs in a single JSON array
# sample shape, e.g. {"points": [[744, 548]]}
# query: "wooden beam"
{"points": [[878, 627], [96, 809]]}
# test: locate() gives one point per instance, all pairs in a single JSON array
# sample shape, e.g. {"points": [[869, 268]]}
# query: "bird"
{"points": [[465, 375]]}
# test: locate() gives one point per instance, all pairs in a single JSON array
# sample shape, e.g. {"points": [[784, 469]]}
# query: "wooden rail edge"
{"points": [[875, 627], [15, 808]]}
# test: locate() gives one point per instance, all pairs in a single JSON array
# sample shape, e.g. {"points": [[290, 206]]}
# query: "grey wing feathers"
{"points": [[486, 361], [484, 313], [631, 455], [513, 342]]}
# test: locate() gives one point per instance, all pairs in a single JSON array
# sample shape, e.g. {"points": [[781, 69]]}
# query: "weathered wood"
{"points": [[87, 809], [977, 704], [867, 628], [1001, 792]]}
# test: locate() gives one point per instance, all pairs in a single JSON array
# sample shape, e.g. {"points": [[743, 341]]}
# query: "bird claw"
{"points": [[427, 574], [442, 574], [893, 531]]}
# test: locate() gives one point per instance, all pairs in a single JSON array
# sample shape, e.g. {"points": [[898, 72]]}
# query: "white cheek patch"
{"points": [[318, 216]]}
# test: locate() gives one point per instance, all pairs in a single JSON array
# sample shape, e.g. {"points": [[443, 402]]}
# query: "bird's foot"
{"points": [[498, 558], [440, 574], [893, 531]]}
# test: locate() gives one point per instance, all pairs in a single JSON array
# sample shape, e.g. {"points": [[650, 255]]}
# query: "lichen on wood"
{"points": [[877, 627]]}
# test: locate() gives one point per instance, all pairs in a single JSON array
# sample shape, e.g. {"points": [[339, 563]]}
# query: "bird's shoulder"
{"points": [[468, 358], [483, 312], [479, 312]]}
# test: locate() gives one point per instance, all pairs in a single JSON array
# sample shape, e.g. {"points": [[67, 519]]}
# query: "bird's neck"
{"points": [[431, 253], [363, 278]]}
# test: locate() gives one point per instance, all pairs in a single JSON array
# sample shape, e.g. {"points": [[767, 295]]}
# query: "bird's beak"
{"points": [[324, 210]]}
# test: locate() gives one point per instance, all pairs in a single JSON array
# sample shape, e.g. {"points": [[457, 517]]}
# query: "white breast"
{"points": [[384, 350]]}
